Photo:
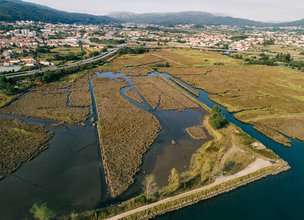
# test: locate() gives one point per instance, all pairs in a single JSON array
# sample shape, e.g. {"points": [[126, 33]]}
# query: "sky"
{"points": [[259, 10]]}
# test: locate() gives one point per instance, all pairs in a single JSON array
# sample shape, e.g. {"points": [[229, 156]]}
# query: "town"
{"points": [[129, 109], [28, 45]]}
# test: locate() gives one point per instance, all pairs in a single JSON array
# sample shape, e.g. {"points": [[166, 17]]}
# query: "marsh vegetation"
{"points": [[255, 93], [50, 101], [126, 132], [20, 142]]}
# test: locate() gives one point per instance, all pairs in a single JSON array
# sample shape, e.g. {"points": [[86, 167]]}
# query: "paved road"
{"points": [[79, 63], [251, 168]]}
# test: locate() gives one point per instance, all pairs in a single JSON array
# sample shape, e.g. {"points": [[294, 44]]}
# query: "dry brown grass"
{"points": [[126, 132], [132, 64], [133, 95], [80, 92], [49, 101], [267, 97], [259, 95], [158, 92], [19, 142], [197, 132]]}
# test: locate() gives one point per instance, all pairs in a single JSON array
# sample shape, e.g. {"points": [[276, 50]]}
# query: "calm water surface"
{"points": [[276, 197]]}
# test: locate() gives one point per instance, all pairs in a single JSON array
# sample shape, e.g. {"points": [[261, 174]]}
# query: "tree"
{"points": [[217, 119], [174, 180], [42, 212], [150, 186]]}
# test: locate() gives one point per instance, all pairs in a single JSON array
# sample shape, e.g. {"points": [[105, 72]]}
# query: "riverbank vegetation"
{"points": [[19, 142], [230, 152], [42, 212], [125, 133], [217, 119]]}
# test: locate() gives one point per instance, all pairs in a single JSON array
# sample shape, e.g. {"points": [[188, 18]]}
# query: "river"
{"points": [[69, 174], [275, 197]]}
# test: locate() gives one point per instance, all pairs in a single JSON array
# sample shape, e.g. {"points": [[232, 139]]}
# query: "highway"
{"points": [[104, 55]]}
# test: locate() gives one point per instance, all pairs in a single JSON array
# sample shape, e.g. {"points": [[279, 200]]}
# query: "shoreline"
{"points": [[203, 193]]}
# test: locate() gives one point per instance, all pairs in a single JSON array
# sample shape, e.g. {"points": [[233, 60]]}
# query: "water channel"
{"points": [[69, 175], [276, 197]]}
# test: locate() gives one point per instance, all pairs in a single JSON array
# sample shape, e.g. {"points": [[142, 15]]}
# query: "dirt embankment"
{"points": [[125, 131]]}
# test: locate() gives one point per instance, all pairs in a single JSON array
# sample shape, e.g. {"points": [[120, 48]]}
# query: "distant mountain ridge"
{"points": [[187, 17], [294, 23], [192, 17], [16, 10]]}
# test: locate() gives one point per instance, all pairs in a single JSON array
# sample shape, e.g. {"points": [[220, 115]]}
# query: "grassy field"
{"points": [[49, 101], [125, 133], [67, 54], [67, 50], [270, 98], [19, 142], [159, 93], [274, 49], [256, 94]]}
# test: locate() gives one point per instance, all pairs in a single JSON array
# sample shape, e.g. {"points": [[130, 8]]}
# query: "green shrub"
{"points": [[217, 119], [42, 212]]}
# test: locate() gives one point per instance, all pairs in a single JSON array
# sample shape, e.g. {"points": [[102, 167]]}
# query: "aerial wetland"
{"points": [[93, 140]]}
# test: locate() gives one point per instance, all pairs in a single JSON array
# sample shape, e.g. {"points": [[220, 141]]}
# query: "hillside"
{"points": [[15, 10], [294, 23], [189, 17]]}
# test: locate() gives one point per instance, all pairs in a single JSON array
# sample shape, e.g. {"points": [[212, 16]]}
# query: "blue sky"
{"points": [[261, 10]]}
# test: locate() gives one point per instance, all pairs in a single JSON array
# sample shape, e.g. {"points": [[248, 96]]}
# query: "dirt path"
{"points": [[232, 150], [253, 167]]}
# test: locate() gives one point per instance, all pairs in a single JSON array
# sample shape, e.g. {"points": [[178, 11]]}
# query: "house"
{"points": [[14, 62], [29, 64]]}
